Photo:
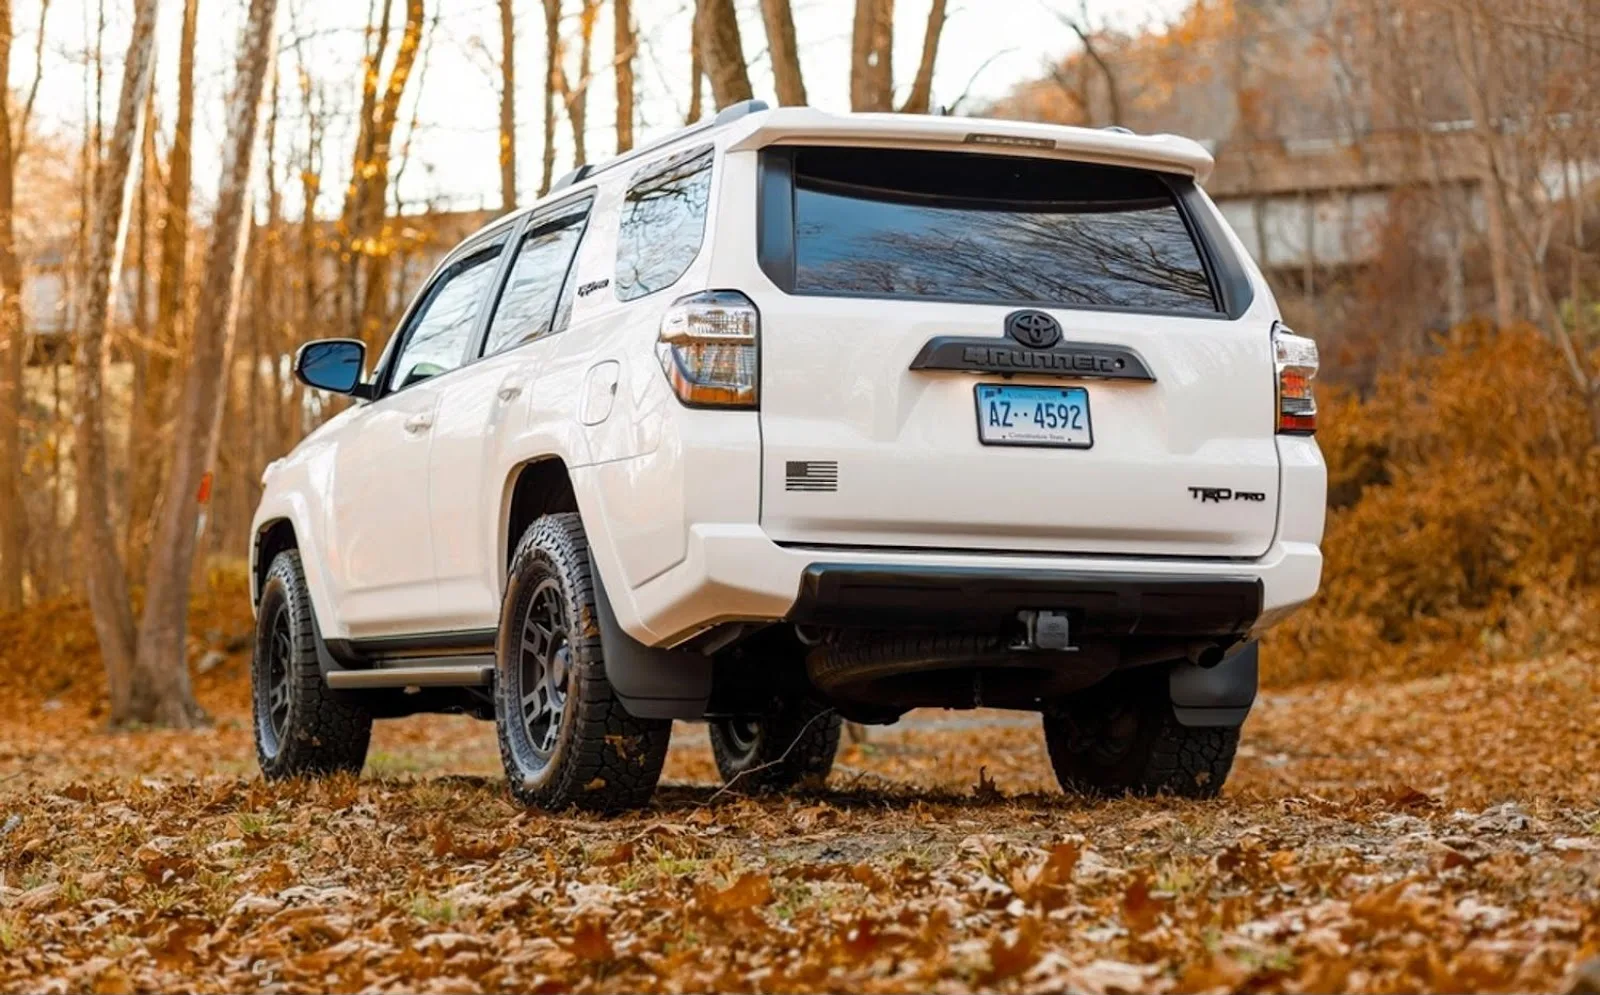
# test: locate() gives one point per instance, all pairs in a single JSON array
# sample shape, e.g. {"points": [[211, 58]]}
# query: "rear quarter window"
{"points": [[969, 227], [663, 222]]}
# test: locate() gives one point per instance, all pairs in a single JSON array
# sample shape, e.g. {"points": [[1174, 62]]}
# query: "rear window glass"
{"points": [[958, 226], [663, 223]]}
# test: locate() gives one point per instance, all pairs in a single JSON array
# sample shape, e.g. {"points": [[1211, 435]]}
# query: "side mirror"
{"points": [[332, 364]]}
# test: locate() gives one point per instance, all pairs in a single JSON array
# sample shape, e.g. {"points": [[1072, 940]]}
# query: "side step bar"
{"points": [[475, 675]]}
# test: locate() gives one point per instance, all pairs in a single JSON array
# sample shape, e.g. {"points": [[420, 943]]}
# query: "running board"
{"points": [[413, 677]]}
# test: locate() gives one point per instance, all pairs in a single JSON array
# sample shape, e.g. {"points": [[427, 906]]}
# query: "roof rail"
{"points": [[569, 178], [1116, 129], [732, 112]]}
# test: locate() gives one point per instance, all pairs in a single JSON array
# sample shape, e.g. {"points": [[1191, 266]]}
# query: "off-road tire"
{"points": [[302, 726], [1131, 743], [600, 757], [791, 744]]}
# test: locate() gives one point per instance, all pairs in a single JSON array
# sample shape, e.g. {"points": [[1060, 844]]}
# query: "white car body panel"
{"points": [[407, 532]]}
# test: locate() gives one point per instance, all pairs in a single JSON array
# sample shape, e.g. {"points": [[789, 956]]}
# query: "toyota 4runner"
{"points": [[794, 417]]}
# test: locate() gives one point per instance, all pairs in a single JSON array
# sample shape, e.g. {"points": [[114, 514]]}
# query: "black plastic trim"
{"points": [[1229, 280], [651, 683], [1216, 696], [367, 652], [1074, 360], [847, 594]]}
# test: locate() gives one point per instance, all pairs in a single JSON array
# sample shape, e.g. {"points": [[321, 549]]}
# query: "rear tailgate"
{"points": [[979, 351]]}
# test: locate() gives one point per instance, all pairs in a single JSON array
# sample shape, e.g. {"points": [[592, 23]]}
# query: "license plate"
{"points": [[1034, 416]]}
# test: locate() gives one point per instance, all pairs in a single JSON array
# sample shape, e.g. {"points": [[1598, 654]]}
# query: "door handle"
{"points": [[510, 391], [419, 423]]}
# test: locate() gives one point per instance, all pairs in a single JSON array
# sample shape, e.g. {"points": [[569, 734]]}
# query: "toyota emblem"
{"points": [[1034, 329]]}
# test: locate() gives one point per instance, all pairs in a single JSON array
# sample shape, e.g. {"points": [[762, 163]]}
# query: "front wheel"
{"points": [[302, 726], [565, 739], [1124, 739]]}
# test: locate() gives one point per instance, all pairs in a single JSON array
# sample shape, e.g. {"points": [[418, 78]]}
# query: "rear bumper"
{"points": [[911, 594], [736, 572]]}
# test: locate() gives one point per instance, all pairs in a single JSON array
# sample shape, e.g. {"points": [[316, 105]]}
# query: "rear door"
{"points": [[975, 351]]}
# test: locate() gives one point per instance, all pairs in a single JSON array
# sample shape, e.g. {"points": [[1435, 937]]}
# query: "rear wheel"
{"points": [[565, 739], [792, 743], [302, 726], [1122, 738]]}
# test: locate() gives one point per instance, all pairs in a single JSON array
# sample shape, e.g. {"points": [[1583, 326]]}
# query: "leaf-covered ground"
{"points": [[1435, 834]]}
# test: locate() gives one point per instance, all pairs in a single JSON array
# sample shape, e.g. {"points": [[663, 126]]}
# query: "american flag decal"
{"points": [[811, 475]]}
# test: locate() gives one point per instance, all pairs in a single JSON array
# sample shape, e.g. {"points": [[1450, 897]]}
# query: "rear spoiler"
{"points": [[808, 126]]}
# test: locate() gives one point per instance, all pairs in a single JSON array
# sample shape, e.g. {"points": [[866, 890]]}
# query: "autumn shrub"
{"points": [[1464, 516]]}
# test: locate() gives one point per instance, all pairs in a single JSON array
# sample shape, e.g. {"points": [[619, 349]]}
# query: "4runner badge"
{"points": [[1220, 494]]}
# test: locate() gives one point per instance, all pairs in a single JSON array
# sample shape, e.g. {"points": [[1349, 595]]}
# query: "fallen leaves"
{"points": [[1432, 834]]}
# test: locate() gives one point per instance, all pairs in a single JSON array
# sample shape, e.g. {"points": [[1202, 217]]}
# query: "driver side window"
{"points": [[437, 340]]}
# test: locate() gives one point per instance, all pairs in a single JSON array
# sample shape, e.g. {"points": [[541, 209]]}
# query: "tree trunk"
{"points": [[13, 514], [697, 72], [508, 107], [554, 82], [106, 582], [722, 52], [785, 51], [577, 98], [172, 289], [162, 693], [871, 56], [625, 45], [370, 205], [920, 100]]}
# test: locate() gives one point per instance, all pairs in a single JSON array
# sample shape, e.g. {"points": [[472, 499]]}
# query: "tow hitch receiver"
{"points": [[1046, 630]]}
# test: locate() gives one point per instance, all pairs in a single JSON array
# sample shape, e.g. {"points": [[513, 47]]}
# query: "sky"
{"points": [[450, 158]]}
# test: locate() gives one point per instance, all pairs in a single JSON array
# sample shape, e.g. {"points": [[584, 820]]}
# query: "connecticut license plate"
{"points": [[1034, 416]]}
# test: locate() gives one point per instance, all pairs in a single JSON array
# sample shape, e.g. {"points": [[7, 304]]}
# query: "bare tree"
{"points": [[577, 98], [366, 198], [871, 56], [555, 81], [624, 46], [1087, 37], [697, 72], [920, 99], [172, 283], [161, 672], [785, 51], [722, 52], [107, 584], [13, 522], [508, 106]]}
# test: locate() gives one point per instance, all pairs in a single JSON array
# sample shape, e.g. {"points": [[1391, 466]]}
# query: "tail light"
{"points": [[709, 346], [1297, 366]]}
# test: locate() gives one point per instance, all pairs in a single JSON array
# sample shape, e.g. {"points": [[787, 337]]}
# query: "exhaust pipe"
{"points": [[1205, 655]]}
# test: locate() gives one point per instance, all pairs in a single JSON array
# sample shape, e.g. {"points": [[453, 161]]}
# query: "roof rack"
{"points": [[732, 112]]}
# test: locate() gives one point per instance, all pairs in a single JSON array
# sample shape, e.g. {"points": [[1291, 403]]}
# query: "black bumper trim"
{"points": [[848, 594]]}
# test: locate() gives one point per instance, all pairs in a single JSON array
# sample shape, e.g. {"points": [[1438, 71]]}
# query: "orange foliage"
{"points": [[1465, 517]]}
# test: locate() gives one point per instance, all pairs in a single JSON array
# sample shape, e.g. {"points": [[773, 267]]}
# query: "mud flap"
{"points": [[651, 683], [1219, 696]]}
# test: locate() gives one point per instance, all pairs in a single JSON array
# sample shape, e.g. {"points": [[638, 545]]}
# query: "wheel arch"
{"points": [[282, 526]]}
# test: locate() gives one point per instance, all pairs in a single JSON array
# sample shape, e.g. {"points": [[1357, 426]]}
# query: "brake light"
{"points": [[1297, 362], [709, 346]]}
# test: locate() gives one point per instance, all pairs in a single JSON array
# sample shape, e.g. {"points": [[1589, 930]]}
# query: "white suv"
{"points": [[793, 417]]}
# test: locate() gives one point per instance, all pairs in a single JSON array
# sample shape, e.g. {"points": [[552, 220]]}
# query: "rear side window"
{"points": [[663, 223], [537, 299], [958, 226]]}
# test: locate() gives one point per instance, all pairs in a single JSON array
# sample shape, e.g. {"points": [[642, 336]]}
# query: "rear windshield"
{"points": [[958, 226]]}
